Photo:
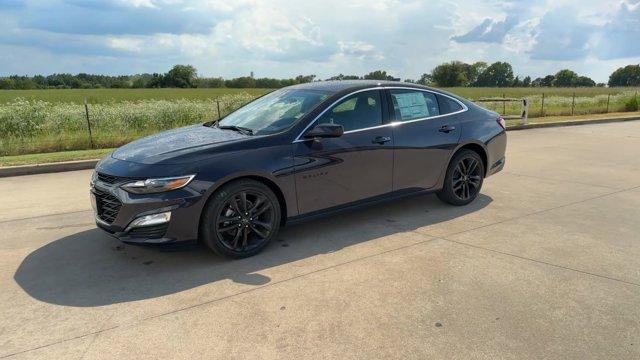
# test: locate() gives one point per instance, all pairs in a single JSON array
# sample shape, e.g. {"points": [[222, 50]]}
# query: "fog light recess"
{"points": [[150, 220]]}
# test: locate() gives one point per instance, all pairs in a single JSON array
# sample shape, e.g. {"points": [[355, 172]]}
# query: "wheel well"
{"points": [[276, 190], [480, 151]]}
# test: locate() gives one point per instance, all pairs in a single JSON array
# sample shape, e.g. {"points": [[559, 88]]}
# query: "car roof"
{"points": [[351, 85], [341, 87]]}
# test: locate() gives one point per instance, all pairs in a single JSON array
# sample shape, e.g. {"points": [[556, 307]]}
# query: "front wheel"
{"points": [[241, 219], [463, 179]]}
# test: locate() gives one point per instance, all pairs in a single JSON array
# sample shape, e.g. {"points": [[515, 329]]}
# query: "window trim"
{"points": [[299, 138]]}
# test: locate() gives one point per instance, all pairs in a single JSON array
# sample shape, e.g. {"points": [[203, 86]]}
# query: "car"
{"points": [[292, 154]]}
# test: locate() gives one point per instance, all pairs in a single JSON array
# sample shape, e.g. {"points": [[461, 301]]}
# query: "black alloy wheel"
{"points": [[242, 219], [463, 179]]}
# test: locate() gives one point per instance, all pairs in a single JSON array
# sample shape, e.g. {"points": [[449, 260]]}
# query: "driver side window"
{"points": [[359, 111]]}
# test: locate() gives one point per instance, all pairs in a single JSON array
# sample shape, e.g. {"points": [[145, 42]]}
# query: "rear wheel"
{"points": [[241, 219], [463, 179]]}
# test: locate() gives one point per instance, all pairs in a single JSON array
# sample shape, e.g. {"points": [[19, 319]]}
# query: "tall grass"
{"points": [[96, 96], [32, 126], [54, 120], [556, 105]]}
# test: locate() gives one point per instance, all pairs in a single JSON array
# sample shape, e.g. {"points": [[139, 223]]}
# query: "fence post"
{"points": [[504, 105], [608, 98], [218, 102], [86, 113], [573, 103], [542, 109]]}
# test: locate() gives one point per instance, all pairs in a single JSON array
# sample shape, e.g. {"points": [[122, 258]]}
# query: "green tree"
{"points": [[546, 81], [6, 83], [584, 81], [425, 80], [451, 74], [155, 81], [181, 76], [526, 82], [241, 82], [517, 82], [379, 75], [565, 78], [301, 79], [498, 74], [474, 70], [344, 77], [626, 76]]}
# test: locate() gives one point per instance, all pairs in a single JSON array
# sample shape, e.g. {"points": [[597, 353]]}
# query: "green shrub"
{"points": [[631, 104]]}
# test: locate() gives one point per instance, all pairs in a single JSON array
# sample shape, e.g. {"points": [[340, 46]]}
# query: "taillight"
{"points": [[501, 122]]}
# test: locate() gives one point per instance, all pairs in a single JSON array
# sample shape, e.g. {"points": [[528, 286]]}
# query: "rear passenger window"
{"points": [[414, 104], [448, 105]]}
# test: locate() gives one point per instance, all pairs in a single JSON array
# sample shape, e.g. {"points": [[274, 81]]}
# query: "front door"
{"points": [[354, 166]]}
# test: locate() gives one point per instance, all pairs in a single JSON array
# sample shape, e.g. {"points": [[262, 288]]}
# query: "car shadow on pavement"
{"points": [[90, 268]]}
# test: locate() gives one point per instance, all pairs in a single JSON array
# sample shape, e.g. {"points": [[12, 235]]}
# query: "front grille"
{"points": [[154, 231], [109, 179], [107, 206]]}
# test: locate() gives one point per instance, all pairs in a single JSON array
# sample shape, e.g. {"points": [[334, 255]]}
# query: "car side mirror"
{"points": [[325, 131]]}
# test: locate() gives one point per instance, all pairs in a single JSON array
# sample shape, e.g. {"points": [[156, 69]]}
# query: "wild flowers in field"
{"points": [[37, 125]]}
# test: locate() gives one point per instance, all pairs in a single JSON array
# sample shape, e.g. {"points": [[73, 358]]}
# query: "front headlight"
{"points": [[150, 186], [94, 178]]}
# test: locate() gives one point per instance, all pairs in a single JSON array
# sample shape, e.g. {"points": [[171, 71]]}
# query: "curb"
{"points": [[47, 168], [90, 164], [570, 123]]}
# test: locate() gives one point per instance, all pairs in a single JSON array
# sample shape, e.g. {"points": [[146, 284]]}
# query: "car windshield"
{"points": [[275, 111]]}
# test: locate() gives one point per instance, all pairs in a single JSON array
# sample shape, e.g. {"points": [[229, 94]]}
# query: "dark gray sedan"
{"points": [[297, 152]]}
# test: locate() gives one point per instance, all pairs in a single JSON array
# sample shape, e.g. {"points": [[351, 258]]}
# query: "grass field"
{"points": [[41, 121], [99, 96]]}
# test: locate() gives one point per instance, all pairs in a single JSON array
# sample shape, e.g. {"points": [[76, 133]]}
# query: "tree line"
{"points": [[500, 74], [450, 74]]}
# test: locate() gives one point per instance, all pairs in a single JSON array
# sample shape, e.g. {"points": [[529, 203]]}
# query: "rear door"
{"points": [[425, 133], [354, 166]]}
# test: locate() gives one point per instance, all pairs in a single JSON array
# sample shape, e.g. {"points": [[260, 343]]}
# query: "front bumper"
{"points": [[184, 206]]}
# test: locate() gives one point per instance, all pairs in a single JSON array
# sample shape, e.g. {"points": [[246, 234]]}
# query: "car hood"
{"points": [[174, 146]]}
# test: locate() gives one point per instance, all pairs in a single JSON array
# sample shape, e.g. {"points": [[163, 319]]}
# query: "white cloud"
{"points": [[283, 38]]}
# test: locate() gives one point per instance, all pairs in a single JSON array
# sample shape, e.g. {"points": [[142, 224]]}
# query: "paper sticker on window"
{"points": [[412, 105]]}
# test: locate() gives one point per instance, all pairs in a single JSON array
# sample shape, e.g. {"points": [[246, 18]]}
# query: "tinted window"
{"points": [[412, 104], [359, 111], [448, 105]]}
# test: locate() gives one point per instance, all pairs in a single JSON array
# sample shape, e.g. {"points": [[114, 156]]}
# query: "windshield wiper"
{"points": [[240, 129]]}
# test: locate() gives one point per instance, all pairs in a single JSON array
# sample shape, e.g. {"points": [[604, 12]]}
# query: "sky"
{"points": [[283, 39]]}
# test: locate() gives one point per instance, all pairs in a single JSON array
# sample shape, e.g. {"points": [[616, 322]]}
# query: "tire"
{"points": [[250, 206], [463, 180]]}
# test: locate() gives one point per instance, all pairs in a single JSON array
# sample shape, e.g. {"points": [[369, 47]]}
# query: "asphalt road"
{"points": [[545, 264]]}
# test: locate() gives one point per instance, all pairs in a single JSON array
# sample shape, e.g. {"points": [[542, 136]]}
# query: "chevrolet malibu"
{"points": [[295, 153]]}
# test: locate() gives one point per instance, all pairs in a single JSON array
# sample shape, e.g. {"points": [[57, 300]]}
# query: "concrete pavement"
{"points": [[543, 265]]}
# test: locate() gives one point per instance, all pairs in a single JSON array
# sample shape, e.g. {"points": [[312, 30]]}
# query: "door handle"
{"points": [[447, 129], [381, 139]]}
